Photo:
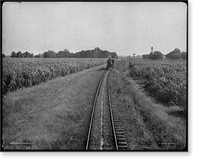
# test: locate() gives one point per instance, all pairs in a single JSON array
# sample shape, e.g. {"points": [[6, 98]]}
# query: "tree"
{"points": [[20, 54], [3, 55], [32, 55], [16, 55], [175, 54], [28, 55], [64, 54], [156, 55], [184, 55], [145, 56], [95, 53], [37, 56], [66, 50], [49, 54], [13, 55]]}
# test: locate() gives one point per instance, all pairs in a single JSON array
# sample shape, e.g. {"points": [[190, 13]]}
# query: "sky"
{"points": [[121, 27]]}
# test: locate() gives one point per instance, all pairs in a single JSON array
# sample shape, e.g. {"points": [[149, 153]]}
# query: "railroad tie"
{"points": [[120, 135], [121, 141], [122, 147]]}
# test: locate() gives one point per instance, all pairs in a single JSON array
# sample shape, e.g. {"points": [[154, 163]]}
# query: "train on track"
{"points": [[110, 63], [111, 134]]}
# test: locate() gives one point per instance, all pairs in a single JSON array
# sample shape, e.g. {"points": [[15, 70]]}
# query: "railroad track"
{"points": [[105, 131]]}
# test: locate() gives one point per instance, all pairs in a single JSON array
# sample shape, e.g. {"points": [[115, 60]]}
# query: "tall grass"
{"points": [[164, 80], [20, 73]]}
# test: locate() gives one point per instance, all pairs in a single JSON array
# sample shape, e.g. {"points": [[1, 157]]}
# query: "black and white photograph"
{"points": [[94, 76]]}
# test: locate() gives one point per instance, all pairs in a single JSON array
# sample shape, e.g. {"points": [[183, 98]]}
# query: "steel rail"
{"points": [[111, 115], [118, 134], [93, 109]]}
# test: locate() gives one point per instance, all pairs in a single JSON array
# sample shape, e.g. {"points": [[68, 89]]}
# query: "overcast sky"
{"points": [[125, 27]]}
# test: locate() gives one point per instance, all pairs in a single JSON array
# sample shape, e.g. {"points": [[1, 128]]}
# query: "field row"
{"points": [[20, 73], [163, 80]]}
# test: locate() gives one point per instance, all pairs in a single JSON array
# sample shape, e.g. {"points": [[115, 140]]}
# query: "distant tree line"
{"points": [[157, 55], [22, 55], [176, 54], [3, 55], [95, 53]]}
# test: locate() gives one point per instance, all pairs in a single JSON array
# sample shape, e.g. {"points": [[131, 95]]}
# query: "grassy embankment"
{"points": [[148, 124], [52, 115]]}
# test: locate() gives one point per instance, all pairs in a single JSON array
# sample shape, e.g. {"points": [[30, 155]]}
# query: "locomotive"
{"points": [[110, 63]]}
